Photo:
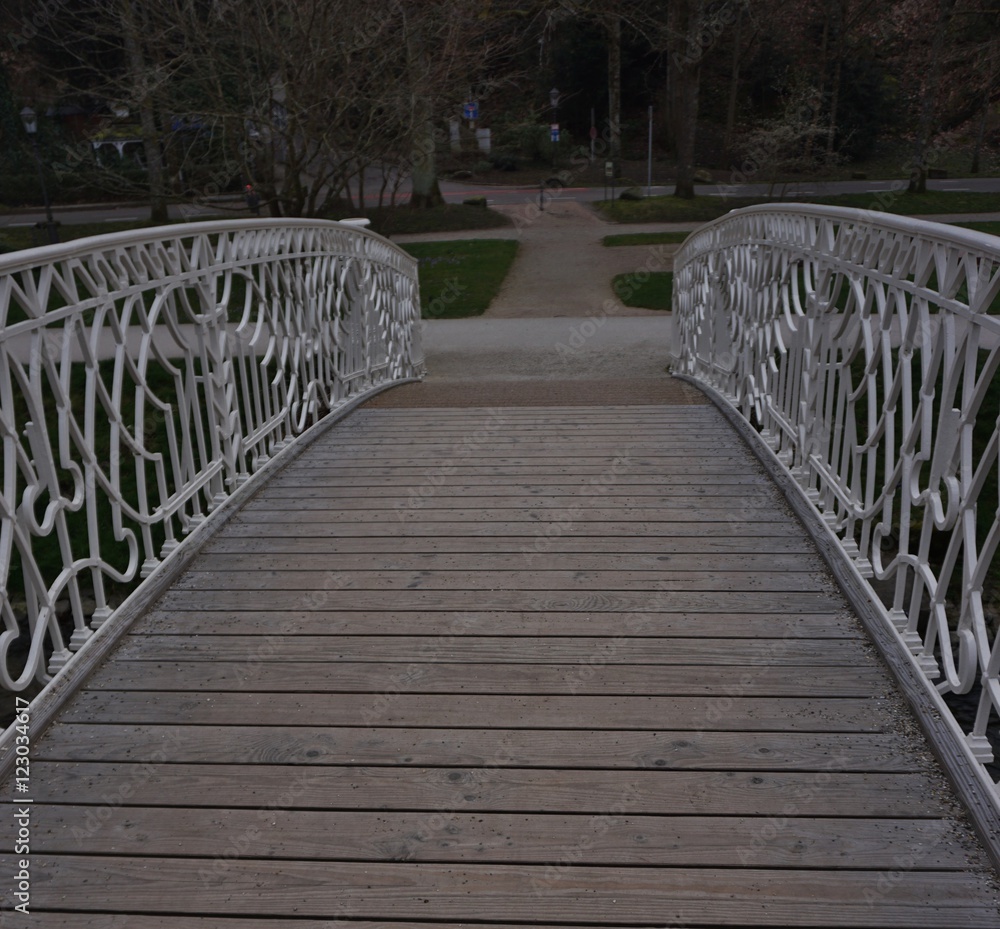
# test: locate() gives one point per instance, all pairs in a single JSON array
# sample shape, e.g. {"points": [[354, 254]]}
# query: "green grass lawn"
{"points": [[461, 278], [993, 228], [13, 238], [651, 291], [701, 209], [645, 238], [399, 220]]}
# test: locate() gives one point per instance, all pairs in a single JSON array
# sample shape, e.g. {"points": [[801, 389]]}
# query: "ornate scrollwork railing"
{"points": [[145, 376], [864, 349]]}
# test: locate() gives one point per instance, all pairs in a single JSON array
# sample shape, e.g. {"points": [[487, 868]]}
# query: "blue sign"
{"points": [[471, 110], [555, 133]]}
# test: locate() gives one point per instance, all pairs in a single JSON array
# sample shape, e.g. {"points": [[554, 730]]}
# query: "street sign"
{"points": [[471, 110], [609, 169], [554, 129]]}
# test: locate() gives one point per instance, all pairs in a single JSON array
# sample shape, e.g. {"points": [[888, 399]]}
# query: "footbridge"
{"points": [[294, 636]]}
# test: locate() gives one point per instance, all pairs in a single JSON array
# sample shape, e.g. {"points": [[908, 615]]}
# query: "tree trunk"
{"points": [[426, 193], [918, 176], [147, 120], [821, 92], [614, 27], [686, 65], [423, 173], [734, 80], [838, 69]]}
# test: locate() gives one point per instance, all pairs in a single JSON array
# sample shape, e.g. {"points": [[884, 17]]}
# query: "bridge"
{"points": [[715, 649]]}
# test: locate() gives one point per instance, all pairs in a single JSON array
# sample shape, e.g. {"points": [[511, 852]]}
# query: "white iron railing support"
{"points": [[861, 347], [129, 400]]}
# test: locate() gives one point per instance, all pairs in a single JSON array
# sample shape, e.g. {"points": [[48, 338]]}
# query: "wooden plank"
{"points": [[381, 677], [682, 543], [306, 494], [481, 711], [215, 559], [144, 780], [544, 578], [558, 471], [541, 601], [517, 481], [619, 896], [622, 837], [733, 517], [532, 532], [101, 919], [655, 461], [633, 781], [414, 623], [497, 649], [599, 500], [696, 448], [830, 754]]}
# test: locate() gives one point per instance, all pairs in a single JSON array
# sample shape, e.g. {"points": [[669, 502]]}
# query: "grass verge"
{"points": [[461, 278], [645, 238], [14, 238], [993, 228], [451, 217], [701, 209], [387, 221], [651, 291]]}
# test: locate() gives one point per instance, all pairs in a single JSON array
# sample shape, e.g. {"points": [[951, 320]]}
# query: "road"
{"points": [[455, 192]]}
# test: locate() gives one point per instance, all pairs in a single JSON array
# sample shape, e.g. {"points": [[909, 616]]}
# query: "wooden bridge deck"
{"points": [[560, 666]]}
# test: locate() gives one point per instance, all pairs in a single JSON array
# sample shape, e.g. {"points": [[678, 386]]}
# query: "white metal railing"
{"points": [[862, 348], [144, 376]]}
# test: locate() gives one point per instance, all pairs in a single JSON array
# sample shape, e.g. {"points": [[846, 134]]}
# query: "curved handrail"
{"points": [[145, 375], [862, 348]]}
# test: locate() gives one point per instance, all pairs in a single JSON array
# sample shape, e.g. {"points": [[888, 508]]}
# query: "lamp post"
{"points": [[554, 125], [30, 120]]}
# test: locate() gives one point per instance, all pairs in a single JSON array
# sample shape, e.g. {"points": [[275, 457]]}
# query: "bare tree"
{"points": [[918, 177], [298, 97]]}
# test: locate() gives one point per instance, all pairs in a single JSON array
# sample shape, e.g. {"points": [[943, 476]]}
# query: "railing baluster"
{"points": [[131, 407], [875, 405]]}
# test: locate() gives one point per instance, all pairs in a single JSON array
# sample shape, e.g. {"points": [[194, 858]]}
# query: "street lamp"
{"points": [[30, 120]]}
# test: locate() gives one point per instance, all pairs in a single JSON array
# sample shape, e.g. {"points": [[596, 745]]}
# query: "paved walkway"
{"points": [[562, 269]]}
